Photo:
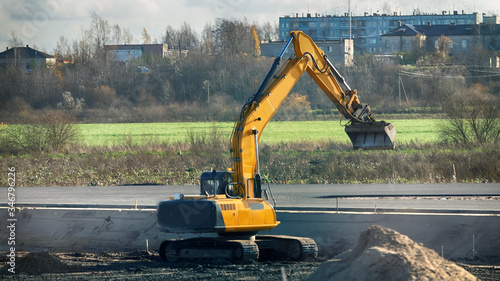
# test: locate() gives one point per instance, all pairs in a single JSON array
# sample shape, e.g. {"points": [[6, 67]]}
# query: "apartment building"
{"points": [[366, 30]]}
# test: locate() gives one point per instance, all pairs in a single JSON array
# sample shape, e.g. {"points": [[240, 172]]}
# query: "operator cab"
{"points": [[216, 182]]}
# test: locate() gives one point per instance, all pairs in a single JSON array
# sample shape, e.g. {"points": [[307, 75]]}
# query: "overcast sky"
{"points": [[41, 22]]}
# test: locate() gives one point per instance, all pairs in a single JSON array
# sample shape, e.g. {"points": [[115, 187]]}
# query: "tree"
{"points": [[472, 117], [187, 37], [183, 39], [169, 37], [128, 37], [268, 32], [443, 46], [207, 39], [14, 40], [256, 42], [63, 48], [146, 39], [233, 37], [117, 37], [99, 32]]}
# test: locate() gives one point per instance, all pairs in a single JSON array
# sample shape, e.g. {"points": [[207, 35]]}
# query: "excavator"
{"points": [[230, 209]]}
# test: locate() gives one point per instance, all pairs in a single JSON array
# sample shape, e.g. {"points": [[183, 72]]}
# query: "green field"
{"points": [[419, 130]]}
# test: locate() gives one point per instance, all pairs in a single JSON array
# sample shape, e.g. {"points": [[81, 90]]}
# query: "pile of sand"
{"points": [[37, 263], [384, 254]]}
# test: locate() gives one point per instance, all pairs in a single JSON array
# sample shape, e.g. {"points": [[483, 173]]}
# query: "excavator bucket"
{"points": [[375, 135]]}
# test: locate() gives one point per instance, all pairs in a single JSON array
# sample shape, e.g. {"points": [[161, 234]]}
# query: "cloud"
{"points": [[42, 22]]}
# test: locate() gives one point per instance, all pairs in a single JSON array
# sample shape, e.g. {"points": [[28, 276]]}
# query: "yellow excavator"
{"points": [[230, 210]]}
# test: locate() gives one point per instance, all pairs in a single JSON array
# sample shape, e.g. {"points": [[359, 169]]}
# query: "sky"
{"points": [[41, 23]]}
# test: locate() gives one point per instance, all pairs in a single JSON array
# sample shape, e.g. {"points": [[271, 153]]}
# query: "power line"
{"points": [[421, 75]]}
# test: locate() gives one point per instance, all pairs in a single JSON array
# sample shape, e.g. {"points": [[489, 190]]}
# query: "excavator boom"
{"points": [[363, 130]]}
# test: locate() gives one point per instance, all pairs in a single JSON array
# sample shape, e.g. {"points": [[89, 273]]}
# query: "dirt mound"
{"points": [[384, 254], [37, 263]]}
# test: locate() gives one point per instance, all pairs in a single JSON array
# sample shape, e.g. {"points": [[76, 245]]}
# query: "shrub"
{"points": [[472, 117], [53, 131]]}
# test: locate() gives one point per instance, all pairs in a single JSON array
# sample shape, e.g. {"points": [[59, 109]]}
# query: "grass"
{"points": [[118, 133], [408, 130], [294, 152]]}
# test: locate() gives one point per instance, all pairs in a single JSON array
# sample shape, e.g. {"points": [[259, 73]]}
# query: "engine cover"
{"points": [[190, 216]]}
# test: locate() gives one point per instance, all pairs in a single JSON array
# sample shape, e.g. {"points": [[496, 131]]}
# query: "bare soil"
{"points": [[142, 265], [385, 254]]}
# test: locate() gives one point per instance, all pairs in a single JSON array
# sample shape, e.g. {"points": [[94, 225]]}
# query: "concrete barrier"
{"points": [[105, 230]]}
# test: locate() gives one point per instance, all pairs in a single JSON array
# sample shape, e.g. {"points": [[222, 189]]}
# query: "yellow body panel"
{"points": [[252, 214], [247, 214]]}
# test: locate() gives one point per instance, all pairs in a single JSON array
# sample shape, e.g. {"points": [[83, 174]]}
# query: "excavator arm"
{"points": [[363, 130], [229, 204]]}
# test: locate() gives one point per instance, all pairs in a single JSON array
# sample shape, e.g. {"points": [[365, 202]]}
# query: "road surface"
{"points": [[395, 197]]}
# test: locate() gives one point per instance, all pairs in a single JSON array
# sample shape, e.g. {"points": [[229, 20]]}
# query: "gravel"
{"points": [[142, 265]]}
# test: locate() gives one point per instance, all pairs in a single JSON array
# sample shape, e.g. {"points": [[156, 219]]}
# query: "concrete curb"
{"points": [[106, 230]]}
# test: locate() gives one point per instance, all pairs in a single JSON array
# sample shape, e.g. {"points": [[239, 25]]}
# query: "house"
{"points": [[25, 57], [339, 52], [404, 38], [125, 53], [461, 37]]}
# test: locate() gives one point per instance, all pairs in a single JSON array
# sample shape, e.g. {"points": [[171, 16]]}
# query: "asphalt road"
{"points": [[394, 197]]}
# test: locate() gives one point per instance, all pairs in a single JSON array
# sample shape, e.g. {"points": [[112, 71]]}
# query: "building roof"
{"points": [[446, 30], [450, 29], [24, 53], [405, 30]]}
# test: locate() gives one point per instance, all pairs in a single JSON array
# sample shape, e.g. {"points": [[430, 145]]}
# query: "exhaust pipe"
{"points": [[372, 135]]}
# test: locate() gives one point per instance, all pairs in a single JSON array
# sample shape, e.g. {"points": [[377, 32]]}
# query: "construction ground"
{"points": [[121, 244]]}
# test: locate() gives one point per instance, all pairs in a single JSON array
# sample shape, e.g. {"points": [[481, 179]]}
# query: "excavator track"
{"points": [[246, 250], [209, 249], [287, 247]]}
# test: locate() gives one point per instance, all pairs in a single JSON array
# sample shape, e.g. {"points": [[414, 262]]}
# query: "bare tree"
{"points": [[187, 36], [117, 37], [128, 37], [208, 39], [233, 36], [443, 45], [14, 40], [170, 36], [146, 38], [472, 117], [99, 31], [63, 48], [268, 32]]}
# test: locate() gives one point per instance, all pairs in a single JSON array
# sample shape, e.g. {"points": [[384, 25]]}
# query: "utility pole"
{"points": [[350, 20], [399, 88]]}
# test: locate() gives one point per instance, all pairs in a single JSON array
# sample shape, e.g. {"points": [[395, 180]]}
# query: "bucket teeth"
{"points": [[375, 135]]}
